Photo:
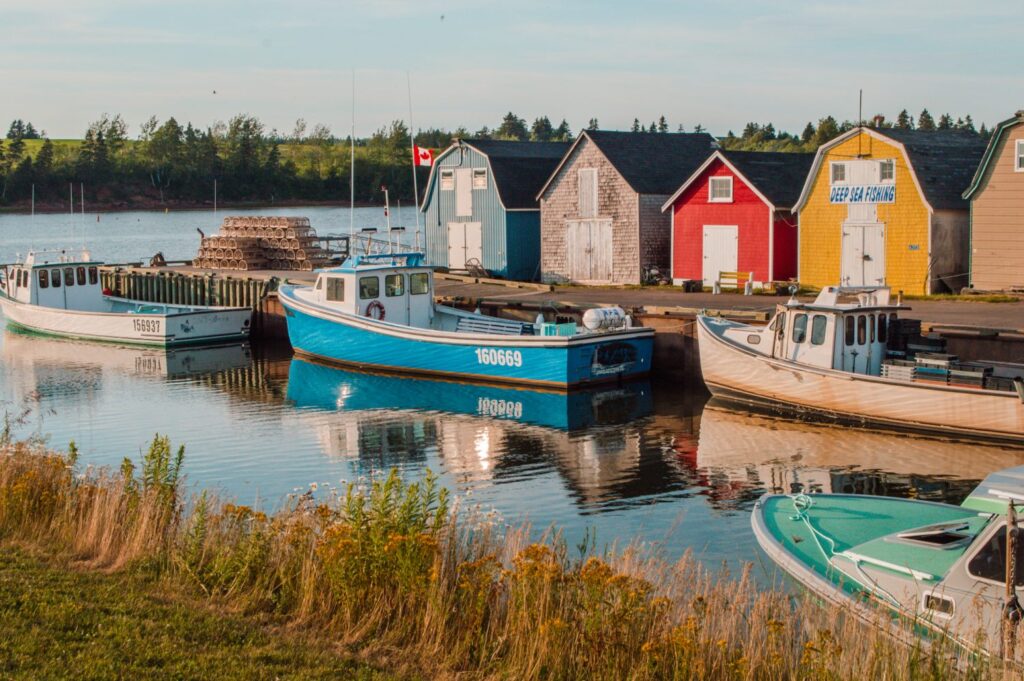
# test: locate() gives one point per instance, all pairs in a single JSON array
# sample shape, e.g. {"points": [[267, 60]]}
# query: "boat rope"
{"points": [[802, 503]]}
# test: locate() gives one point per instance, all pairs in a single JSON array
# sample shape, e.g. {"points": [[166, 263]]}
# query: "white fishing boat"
{"points": [[832, 359], [59, 293]]}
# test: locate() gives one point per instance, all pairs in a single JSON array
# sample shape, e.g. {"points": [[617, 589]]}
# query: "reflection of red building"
{"points": [[733, 215]]}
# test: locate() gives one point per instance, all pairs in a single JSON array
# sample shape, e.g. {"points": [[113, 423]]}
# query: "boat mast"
{"points": [[352, 171], [415, 160]]}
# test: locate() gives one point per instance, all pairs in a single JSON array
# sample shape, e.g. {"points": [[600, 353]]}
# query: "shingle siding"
{"points": [[615, 201]]}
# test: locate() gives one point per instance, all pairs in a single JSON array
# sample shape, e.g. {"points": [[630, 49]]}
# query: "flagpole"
{"points": [[415, 160]]}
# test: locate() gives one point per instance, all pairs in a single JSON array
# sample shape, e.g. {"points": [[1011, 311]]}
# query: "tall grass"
{"points": [[398, 572]]}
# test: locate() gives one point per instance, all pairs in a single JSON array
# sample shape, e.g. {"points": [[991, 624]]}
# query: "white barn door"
{"points": [[721, 251], [863, 257], [588, 250], [463, 192], [465, 242]]}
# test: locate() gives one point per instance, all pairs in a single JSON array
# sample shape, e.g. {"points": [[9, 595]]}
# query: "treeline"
{"points": [[168, 163], [764, 137], [172, 163]]}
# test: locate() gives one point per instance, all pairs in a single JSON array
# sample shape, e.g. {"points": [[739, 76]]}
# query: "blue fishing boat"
{"points": [[378, 311]]}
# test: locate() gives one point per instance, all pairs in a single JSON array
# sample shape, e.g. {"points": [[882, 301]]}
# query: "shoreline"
{"points": [[181, 207]]}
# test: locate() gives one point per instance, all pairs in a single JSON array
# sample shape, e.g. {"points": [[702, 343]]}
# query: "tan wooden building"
{"points": [[600, 211], [997, 211]]}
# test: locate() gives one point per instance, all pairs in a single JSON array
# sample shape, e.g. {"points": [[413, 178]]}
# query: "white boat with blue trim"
{"points": [[59, 294], [378, 311], [832, 359]]}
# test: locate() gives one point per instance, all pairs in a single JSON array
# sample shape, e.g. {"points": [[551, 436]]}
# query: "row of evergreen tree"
{"points": [[171, 162]]}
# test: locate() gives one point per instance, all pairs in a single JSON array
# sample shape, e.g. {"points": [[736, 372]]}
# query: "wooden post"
{"points": [[1010, 617]]}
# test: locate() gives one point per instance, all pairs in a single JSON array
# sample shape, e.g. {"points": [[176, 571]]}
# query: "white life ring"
{"points": [[375, 310]]}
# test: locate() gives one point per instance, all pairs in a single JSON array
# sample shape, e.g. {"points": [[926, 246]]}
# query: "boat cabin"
{"points": [[55, 279], [396, 288], [845, 328]]}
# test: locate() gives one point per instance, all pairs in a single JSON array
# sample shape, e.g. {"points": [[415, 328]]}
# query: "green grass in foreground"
{"points": [[57, 622]]}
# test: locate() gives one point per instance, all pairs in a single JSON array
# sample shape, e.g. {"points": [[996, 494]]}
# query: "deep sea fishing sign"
{"points": [[863, 193]]}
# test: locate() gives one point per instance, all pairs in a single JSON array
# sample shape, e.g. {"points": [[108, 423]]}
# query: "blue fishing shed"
{"points": [[481, 208]]}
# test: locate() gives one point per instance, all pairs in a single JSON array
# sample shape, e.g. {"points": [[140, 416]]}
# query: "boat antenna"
{"points": [[415, 160], [352, 170], [81, 204], [33, 199]]}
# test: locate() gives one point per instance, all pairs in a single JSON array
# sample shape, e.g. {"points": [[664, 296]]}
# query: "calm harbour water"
{"points": [[646, 461], [136, 235], [643, 461]]}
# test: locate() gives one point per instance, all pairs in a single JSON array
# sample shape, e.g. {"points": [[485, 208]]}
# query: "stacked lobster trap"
{"points": [[263, 243]]}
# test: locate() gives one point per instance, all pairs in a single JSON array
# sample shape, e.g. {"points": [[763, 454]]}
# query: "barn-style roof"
{"points": [[776, 177], [943, 160], [650, 162], [520, 168], [993, 144]]}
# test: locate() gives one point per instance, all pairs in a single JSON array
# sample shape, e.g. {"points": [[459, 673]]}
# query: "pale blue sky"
{"points": [[65, 62]]}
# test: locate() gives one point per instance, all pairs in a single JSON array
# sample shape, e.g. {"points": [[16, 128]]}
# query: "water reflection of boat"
{"points": [[316, 385], [32, 350], [744, 453], [592, 439]]}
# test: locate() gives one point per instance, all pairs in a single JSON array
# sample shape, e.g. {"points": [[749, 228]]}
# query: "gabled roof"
{"points": [[650, 162], [941, 161], [993, 144], [518, 169], [776, 177]]}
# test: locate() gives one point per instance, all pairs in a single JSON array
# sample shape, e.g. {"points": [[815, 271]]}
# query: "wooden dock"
{"points": [[670, 312]]}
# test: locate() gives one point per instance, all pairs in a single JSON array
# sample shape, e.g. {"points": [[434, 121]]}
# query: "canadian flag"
{"points": [[422, 157]]}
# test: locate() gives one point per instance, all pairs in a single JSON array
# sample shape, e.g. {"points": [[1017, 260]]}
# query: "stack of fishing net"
{"points": [[259, 243]]}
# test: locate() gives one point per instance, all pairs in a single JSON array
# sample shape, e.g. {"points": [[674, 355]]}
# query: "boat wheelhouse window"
{"points": [[335, 289], [80, 273], [394, 285], [882, 328], [22, 279], [819, 325], [419, 283], [862, 329], [990, 561], [94, 276], [69, 276], [55, 278], [779, 325], [369, 287], [800, 328], [871, 327], [44, 279], [850, 324], [319, 283]]}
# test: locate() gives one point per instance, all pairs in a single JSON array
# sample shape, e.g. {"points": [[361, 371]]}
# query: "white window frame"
{"points": [[711, 193], [891, 162], [479, 178], [447, 180], [832, 173], [1018, 158]]}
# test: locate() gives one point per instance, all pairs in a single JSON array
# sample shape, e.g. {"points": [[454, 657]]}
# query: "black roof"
{"points": [[943, 160], [779, 176], [520, 169], [654, 162]]}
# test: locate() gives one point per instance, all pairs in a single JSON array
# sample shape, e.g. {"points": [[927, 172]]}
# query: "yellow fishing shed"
{"points": [[885, 207]]}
